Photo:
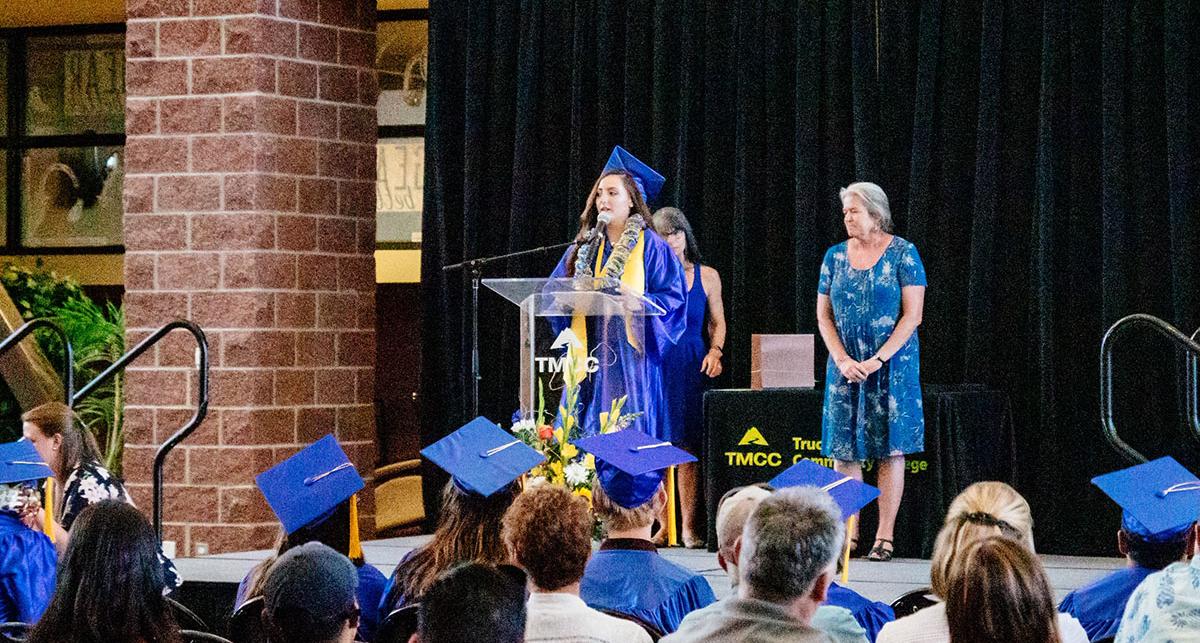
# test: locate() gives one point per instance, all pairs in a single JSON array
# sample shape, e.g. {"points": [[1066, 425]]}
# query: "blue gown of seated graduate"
{"points": [[27, 571], [623, 370], [1098, 607], [371, 583], [871, 615], [641, 583]]}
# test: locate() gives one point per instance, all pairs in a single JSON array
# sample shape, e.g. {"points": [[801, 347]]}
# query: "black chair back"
{"points": [[192, 636], [912, 602], [651, 629], [246, 626], [186, 618], [399, 625], [14, 631]]}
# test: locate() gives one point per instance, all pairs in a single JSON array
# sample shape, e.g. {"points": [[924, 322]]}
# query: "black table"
{"points": [[750, 436]]}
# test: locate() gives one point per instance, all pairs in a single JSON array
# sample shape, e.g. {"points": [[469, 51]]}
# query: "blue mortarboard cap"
{"points": [[309, 484], [482, 457], [1161, 499], [631, 464], [20, 462], [849, 494], [648, 181]]}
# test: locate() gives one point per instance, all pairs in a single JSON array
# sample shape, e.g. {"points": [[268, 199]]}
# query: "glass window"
{"points": [[399, 190], [71, 196], [402, 58], [76, 84]]}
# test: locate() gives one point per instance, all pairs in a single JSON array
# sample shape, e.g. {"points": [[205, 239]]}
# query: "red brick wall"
{"points": [[249, 208]]}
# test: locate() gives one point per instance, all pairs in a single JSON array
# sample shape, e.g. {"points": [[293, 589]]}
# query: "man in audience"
{"points": [[732, 512], [549, 532], [786, 559], [309, 596], [1156, 598], [473, 602]]}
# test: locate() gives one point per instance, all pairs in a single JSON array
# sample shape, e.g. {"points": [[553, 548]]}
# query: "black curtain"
{"points": [[1043, 156]]}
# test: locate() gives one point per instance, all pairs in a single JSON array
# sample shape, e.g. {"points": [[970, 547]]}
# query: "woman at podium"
{"points": [[615, 241], [869, 302]]}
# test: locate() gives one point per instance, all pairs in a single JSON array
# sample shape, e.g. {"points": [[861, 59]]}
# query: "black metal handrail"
{"points": [[68, 353], [160, 457], [1193, 384], [1106, 396]]}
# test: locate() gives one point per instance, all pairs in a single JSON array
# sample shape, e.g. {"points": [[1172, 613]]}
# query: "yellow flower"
{"points": [[557, 469], [569, 451], [585, 493], [589, 461]]}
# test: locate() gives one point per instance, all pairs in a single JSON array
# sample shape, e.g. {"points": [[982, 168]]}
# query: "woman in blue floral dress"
{"points": [[869, 302]]}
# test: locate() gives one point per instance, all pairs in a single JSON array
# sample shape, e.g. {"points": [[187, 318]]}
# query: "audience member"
{"points": [[473, 602], [982, 510], [69, 448], [110, 583], [1099, 606], [851, 495], [549, 532], [314, 495], [309, 596], [474, 502], [628, 575], [1166, 605], [787, 559], [998, 593], [733, 510], [27, 557]]}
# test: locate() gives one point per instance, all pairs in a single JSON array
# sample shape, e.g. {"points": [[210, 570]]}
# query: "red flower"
{"points": [[545, 432]]}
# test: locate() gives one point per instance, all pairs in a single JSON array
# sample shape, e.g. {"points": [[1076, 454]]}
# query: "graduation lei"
{"points": [[630, 245]]}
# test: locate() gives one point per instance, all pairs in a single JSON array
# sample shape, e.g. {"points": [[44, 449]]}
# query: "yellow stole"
{"points": [[633, 277]]}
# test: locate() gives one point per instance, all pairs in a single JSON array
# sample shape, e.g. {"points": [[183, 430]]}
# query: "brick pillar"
{"points": [[249, 208]]}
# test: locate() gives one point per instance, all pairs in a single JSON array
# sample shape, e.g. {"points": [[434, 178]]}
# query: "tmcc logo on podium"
{"points": [[565, 340]]}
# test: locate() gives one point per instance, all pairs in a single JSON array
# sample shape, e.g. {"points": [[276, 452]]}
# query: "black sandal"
{"points": [[880, 553]]}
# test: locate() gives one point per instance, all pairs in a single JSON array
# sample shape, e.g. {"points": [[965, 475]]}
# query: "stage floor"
{"points": [[877, 581]]}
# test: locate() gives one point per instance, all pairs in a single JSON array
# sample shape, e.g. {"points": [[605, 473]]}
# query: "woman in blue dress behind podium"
{"points": [[626, 249], [869, 302]]}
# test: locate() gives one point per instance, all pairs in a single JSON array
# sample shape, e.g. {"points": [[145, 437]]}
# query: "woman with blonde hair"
{"points": [[983, 510]]}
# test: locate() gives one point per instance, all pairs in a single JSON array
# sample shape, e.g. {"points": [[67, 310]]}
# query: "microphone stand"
{"points": [[474, 268]]}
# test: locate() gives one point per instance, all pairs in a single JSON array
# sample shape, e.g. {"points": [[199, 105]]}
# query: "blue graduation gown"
{"points": [[623, 371], [1098, 607], [642, 583], [871, 615], [27, 571]]}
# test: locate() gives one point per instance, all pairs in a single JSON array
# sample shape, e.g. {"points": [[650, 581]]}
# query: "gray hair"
{"points": [[874, 198], [791, 538]]}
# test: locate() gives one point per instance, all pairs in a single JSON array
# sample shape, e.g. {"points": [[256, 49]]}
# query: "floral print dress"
{"points": [[90, 483], [882, 416]]}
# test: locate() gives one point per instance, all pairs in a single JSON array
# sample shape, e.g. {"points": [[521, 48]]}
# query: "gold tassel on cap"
{"points": [[355, 544], [48, 504]]}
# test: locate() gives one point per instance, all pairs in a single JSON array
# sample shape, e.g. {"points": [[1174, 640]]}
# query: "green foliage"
{"points": [[98, 338]]}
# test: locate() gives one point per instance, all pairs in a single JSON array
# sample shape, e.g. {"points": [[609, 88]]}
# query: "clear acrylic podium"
{"points": [[547, 308]]}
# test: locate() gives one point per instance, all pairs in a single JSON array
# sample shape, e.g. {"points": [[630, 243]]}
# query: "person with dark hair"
{"points": [[998, 592], [110, 583], [314, 494], [626, 250], [474, 501], [27, 557], [690, 363], [473, 602], [549, 532], [309, 597], [64, 443], [1099, 606]]}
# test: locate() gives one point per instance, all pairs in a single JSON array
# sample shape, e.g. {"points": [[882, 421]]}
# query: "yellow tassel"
{"points": [[846, 555], [672, 538], [48, 523], [355, 545]]}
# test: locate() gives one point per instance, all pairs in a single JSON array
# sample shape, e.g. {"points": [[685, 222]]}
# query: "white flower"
{"points": [[886, 269], [884, 322], [909, 261], [576, 474], [525, 426]]}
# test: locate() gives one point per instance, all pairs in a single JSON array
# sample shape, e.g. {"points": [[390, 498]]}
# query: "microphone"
{"points": [[602, 220]]}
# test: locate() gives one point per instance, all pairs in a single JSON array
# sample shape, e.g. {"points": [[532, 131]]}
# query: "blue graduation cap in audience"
{"points": [[850, 495], [1160, 498], [310, 484], [648, 182], [20, 462], [482, 457], [630, 464]]}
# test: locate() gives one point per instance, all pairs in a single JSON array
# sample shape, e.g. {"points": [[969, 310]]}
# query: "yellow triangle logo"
{"points": [[753, 436]]}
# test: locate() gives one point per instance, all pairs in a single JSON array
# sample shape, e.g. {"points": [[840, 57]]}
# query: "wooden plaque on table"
{"points": [[781, 361]]}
